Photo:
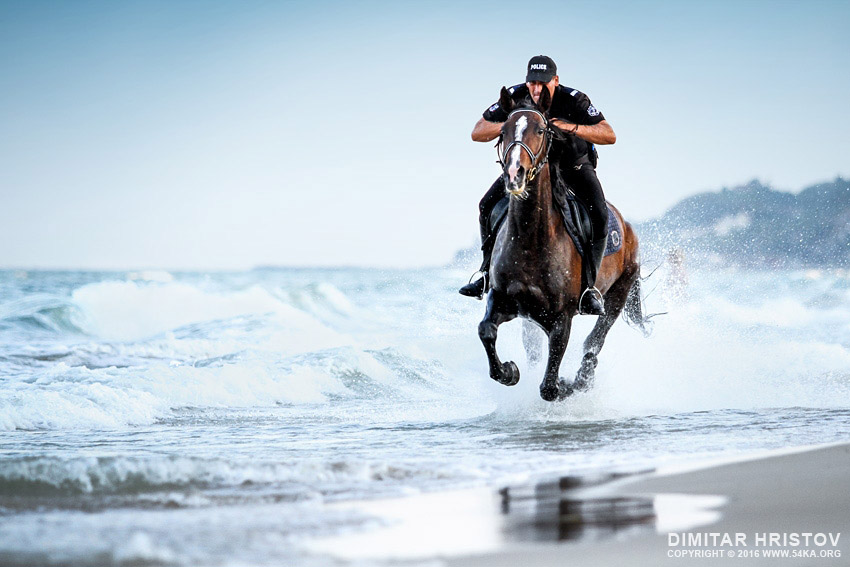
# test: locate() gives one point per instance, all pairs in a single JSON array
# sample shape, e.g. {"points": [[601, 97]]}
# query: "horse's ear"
{"points": [[544, 101], [505, 101]]}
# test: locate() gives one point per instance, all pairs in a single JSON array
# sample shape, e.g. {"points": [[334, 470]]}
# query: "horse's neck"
{"points": [[529, 219]]}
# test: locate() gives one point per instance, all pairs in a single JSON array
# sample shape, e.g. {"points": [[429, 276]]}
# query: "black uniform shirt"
{"points": [[569, 104]]}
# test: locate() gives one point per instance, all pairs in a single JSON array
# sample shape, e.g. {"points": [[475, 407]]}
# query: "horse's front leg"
{"points": [[553, 386], [497, 313], [615, 300]]}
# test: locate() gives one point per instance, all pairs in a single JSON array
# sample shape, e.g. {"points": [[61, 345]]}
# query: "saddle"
{"points": [[576, 220]]}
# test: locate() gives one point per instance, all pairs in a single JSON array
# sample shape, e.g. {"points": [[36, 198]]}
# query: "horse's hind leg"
{"points": [[553, 386], [531, 340], [507, 373], [615, 300]]}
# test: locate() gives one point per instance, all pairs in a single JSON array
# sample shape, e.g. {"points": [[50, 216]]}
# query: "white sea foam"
{"points": [[151, 276], [67, 397], [321, 299], [172, 345], [140, 549], [250, 347], [130, 310], [116, 475], [767, 352], [250, 330]]}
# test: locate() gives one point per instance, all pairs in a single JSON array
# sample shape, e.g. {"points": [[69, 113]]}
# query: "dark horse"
{"points": [[536, 269]]}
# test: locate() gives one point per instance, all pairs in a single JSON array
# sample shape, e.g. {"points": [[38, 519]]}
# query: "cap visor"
{"points": [[539, 76]]}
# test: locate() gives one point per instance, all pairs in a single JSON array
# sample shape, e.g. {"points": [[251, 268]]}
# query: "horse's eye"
{"points": [[540, 131]]}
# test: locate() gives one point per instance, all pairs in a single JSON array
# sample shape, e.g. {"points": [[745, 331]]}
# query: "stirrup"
{"points": [[486, 279], [593, 291]]}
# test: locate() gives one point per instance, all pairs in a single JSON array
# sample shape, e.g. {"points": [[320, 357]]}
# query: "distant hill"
{"points": [[756, 226], [751, 225]]}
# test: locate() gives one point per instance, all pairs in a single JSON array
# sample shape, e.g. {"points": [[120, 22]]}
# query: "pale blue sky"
{"points": [[230, 134]]}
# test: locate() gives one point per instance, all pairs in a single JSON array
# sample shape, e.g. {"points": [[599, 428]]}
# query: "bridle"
{"points": [[539, 159]]}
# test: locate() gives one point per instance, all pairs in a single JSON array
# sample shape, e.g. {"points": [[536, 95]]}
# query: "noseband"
{"points": [[539, 159]]}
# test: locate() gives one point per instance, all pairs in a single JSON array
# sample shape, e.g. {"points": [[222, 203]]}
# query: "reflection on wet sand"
{"points": [[478, 521], [550, 511]]}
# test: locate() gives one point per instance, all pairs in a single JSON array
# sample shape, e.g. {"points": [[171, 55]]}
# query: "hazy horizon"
{"points": [[219, 135], [143, 272]]}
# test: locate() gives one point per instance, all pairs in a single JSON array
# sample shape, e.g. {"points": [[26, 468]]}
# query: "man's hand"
{"points": [[601, 134], [485, 131]]}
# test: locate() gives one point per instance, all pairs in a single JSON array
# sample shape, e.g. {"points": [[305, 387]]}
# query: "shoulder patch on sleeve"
{"points": [[494, 108], [592, 111]]}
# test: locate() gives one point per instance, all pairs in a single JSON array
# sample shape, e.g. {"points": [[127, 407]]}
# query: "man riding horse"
{"points": [[573, 161]]}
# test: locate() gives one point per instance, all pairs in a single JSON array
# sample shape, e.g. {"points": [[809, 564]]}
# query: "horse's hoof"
{"points": [[549, 393], [585, 373], [565, 390], [589, 361], [555, 392], [510, 374]]}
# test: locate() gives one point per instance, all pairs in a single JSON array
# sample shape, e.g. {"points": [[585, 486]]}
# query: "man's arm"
{"points": [[601, 134], [485, 131]]}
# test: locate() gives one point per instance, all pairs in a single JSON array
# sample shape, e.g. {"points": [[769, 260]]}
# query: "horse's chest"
{"points": [[537, 292]]}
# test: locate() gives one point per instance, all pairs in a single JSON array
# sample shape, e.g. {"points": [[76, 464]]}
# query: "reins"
{"points": [[535, 166]]}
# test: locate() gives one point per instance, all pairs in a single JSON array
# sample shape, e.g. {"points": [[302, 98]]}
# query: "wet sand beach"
{"points": [[787, 507], [769, 506]]}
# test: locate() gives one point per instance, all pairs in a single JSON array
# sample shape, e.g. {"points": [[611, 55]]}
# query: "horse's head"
{"points": [[525, 140]]}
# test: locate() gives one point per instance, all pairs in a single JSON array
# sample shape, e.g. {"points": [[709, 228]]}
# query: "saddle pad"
{"points": [[577, 223], [615, 233]]}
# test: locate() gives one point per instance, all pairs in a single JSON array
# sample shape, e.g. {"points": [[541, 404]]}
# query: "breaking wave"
{"points": [[133, 352], [138, 350], [52, 476]]}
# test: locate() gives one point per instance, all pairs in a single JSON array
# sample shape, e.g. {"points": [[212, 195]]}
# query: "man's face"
{"points": [[536, 87]]}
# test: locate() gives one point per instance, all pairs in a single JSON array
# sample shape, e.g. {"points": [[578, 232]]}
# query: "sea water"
{"points": [[223, 418]]}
